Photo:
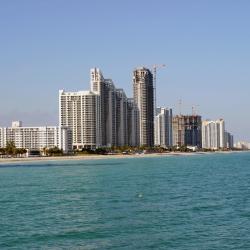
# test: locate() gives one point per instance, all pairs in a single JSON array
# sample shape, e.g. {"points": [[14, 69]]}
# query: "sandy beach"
{"points": [[93, 157], [103, 157]]}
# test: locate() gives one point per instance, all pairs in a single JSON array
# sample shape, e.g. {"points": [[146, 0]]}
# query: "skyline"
{"points": [[51, 46]]}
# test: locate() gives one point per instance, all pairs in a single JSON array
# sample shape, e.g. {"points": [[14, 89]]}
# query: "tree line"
{"points": [[132, 150], [12, 150]]}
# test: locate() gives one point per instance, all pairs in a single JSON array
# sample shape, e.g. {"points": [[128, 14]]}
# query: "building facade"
{"points": [[242, 145], [143, 89], [163, 127], [1, 138], [121, 118], [213, 134], [80, 111], [229, 140], [37, 138], [133, 123], [118, 116], [101, 117], [187, 130], [106, 91]]}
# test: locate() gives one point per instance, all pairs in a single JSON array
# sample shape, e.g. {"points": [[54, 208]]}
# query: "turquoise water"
{"points": [[194, 202]]}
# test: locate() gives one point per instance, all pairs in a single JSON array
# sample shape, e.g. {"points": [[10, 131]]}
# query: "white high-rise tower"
{"points": [[163, 127]]}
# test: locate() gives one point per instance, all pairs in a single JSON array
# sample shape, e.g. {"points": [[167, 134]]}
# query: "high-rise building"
{"points": [[37, 138], [163, 127], [229, 140], [210, 135], [109, 113], [213, 134], [80, 111], [107, 92], [132, 123], [1, 137], [121, 118], [102, 117], [144, 98], [113, 111], [221, 123], [187, 130]]}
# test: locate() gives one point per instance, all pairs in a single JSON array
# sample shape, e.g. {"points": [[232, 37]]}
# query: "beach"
{"points": [[90, 157], [99, 157]]}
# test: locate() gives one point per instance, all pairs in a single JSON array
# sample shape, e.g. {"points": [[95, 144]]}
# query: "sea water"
{"points": [[180, 202]]}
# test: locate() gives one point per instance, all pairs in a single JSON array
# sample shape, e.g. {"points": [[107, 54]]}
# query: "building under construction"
{"points": [[187, 130]]}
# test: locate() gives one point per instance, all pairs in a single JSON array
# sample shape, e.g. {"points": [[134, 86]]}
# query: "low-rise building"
{"points": [[242, 145], [36, 138]]}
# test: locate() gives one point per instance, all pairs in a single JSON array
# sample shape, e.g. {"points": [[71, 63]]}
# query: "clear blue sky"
{"points": [[51, 44]]}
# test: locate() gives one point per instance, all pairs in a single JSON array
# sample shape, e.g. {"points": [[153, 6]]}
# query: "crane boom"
{"points": [[155, 67]]}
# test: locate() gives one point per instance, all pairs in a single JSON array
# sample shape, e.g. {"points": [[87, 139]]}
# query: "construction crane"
{"points": [[155, 67], [195, 110], [154, 70], [194, 107], [180, 106]]}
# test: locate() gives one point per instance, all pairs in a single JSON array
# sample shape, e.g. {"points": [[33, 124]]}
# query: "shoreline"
{"points": [[103, 157]]}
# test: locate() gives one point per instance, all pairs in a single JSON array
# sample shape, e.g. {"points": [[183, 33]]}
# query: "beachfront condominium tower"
{"points": [[221, 123], [187, 130], [101, 117], [144, 99], [163, 127], [80, 112], [106, 90], [229, 140], [121, 118], [114, 105], [213, 134], [132, 123]]}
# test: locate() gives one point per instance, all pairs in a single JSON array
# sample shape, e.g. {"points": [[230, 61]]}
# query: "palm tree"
{"points": [[2, 151], [10, 148]]}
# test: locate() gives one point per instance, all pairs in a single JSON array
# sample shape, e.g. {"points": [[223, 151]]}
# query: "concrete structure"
{"points": [[229, 140], [1, 137], [98, 118], [213, 134], [107, 94], [210, 135], [221, 123], [37, 138], [144, 99], [132, 123], [242, 145], [80, 111], [187, 130], [116, 126], [163, 127], [121, 118]]}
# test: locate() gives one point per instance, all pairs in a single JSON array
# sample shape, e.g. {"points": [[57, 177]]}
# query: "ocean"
{"points": [[177, 202]]}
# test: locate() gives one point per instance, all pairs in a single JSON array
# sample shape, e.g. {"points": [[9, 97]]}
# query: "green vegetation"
{"points": [[138, 150], [11, 150], [130, 150], [55, 151]]}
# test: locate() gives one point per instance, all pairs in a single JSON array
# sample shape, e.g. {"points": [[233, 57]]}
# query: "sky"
{"points": [[50, 45]]}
